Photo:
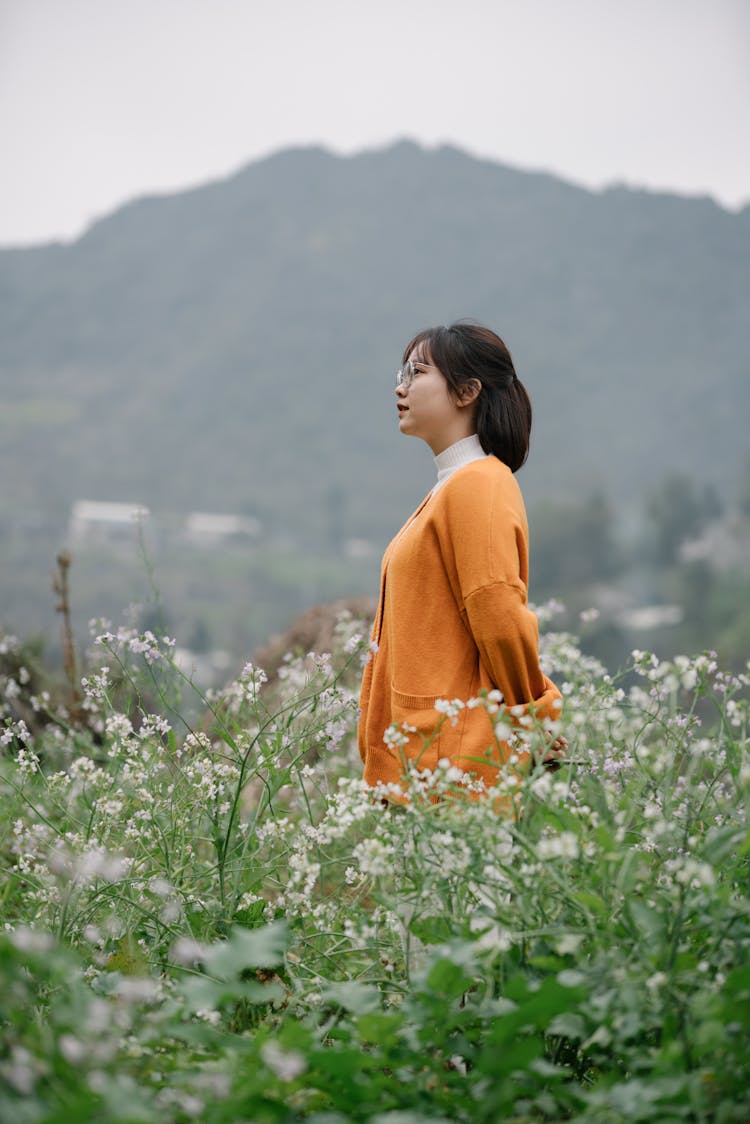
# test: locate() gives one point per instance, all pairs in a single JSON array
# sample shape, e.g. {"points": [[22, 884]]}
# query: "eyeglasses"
{"points": [[405, 377]]}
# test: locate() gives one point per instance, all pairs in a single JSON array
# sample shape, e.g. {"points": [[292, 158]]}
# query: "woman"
{"points": [[453, 620]]}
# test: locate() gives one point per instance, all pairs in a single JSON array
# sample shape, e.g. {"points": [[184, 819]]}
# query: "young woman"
{"points": [[453, 619]]}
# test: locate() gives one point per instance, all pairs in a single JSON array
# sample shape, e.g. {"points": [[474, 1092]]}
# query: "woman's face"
{"points": [[427, 408]]}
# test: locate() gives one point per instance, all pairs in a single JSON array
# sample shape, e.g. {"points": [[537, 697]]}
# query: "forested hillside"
{"points": [[232, 348]]}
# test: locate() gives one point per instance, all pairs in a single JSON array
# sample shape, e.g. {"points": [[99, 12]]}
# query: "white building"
{"points": [[204, 528], [104, 521]]}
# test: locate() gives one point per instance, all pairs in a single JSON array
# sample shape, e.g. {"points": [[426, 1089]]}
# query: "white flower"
{"points": [[692, 872], [503, 732], [85, 868], [394, 738], [493, 939], [32, 940], [187, 951], [563, 846], [72, 1049], [374, 857], [568, 942], [27, 762], [541, 786], [450, 709], [8, 644], [213, 1018], [286, 1064], [138, 989]]}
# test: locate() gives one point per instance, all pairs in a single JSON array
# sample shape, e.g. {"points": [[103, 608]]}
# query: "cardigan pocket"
{"points": [[418, 711]]}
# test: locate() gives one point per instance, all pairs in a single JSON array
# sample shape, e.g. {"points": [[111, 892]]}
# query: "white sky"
{"points": [[103, 100]]}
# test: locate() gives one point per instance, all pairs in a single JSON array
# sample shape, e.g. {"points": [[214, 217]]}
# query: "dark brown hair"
{"points": [[467, 351]]}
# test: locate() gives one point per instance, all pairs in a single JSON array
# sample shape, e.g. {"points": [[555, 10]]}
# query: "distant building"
{"points": [[647, 617], [104, 521], [204, 528]]}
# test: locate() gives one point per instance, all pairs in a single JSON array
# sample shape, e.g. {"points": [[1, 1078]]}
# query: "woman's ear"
{"points": [[469, 392]]}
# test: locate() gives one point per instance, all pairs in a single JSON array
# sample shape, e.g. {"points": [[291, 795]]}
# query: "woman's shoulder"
{"points": [[482, 488], [484, 478], [481, 507]]}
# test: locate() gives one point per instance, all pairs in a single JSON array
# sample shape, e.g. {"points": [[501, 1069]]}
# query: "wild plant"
{"points": [[568, 944]]}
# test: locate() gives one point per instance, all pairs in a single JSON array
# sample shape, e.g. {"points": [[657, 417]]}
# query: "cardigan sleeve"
{"points": [[506, 634], [487, 542]]}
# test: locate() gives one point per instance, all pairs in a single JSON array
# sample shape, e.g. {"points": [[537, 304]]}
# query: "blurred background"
{"points": [[219, 225]]}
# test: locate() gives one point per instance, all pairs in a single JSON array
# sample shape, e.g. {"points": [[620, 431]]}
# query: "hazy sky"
{"points": [[102, 100]]}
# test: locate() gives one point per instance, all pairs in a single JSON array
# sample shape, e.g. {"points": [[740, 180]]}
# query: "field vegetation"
{"points": [[210, 918]]}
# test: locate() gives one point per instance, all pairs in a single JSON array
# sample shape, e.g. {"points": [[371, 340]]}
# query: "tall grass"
{"points": [[215, 920]]}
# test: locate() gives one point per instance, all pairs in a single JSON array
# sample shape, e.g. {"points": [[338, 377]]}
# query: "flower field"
{"points": [[205, 916]]}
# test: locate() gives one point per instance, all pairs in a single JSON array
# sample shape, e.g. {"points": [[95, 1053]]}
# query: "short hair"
{"points": [[466, 351]]}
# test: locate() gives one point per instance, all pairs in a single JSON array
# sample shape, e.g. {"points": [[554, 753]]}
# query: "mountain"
{"points": [[233, 347]]}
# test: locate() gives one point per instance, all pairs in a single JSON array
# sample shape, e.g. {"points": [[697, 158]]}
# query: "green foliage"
{"points": [[574, 545], [220, 922], [678, 509]]}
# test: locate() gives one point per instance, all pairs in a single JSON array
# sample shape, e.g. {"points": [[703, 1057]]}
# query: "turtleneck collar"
{"points": [[465, 451]]}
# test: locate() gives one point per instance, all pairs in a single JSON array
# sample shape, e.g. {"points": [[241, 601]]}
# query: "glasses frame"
{"points": [[405, 375]]}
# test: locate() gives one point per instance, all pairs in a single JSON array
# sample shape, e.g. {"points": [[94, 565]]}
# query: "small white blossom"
{"points": [[286, 1064], [374, 857], [563, 846]]}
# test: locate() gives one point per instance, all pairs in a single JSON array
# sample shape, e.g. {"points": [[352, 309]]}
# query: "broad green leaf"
{"points": [[204, 994], [381, 1027], [646, 921], [591, 901], [448, 979], [432, 930], [248, 948], [358, 998]]}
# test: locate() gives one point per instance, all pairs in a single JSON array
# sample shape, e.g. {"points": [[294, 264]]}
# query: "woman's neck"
{"points": [[458, 454]]}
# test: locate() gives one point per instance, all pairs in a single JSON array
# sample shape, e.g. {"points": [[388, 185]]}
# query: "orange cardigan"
{"points": [[452, 621]]}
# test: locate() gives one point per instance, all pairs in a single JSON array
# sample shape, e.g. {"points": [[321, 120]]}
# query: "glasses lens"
{"points": [[405, 376]]}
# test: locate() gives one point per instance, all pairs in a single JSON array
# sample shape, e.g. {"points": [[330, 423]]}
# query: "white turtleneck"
{"points": [[465, 451]]}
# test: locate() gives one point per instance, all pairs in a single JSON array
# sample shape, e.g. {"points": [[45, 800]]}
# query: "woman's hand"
{"points": [[555, 753]]}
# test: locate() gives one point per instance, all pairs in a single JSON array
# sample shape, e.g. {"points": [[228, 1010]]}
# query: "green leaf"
{"points": [[591, 901], [448, 979], [432, 930], [721, 843], [536, 1009], [647, 922], [399, 1116], [381, 1028], [201, 993], [568, 1024], [248, 948], [358, 998], [251, 917], [516, 1052], [548, 963]]}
